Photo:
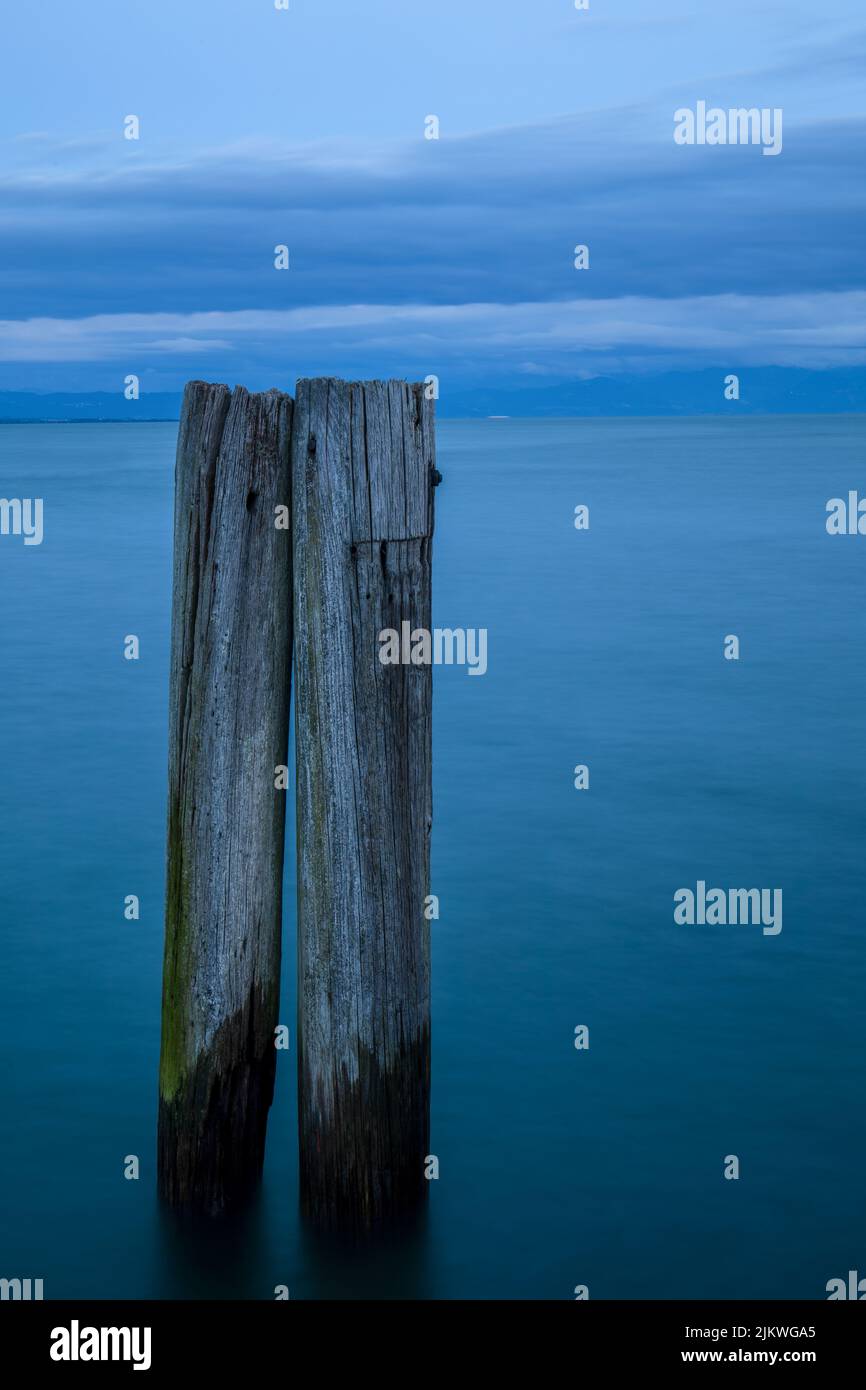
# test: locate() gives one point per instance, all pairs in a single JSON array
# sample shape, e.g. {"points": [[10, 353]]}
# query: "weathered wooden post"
{"points": [[362, 477], [228, 711]]}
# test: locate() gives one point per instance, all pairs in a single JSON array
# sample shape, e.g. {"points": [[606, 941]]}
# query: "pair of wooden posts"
{"points": [[354, 464]]}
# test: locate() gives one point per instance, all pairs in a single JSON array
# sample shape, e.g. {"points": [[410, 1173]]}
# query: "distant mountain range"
{"points": [[763, 391]]}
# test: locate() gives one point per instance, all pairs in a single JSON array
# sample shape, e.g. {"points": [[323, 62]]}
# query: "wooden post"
{"points": [[363, 478], [228, 730]]}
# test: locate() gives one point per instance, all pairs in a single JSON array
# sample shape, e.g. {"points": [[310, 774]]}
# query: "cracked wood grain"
{"points": [[229, 695], [363, 465]]}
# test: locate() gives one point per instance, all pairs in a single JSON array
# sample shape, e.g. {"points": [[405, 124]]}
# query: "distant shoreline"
{"points": [[60, 420], [734, 417]]}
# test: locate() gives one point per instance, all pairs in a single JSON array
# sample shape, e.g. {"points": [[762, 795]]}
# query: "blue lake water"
{"points": [[559, 1167]]}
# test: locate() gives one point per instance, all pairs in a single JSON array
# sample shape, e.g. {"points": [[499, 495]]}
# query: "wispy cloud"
{"points": [[814, 330]]}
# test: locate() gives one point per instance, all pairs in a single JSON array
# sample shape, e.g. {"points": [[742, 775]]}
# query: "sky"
{"points": [[409, 256]]}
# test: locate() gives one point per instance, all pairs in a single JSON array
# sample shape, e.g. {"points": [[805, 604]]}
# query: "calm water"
{"points": [[558, 1167]]}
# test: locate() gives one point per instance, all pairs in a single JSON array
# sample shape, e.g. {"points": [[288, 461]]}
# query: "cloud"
{"points": [[460, 251], [573, 337], [490, 217]]}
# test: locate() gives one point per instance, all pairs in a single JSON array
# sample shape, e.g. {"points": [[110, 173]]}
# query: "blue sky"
{"points": [[411, 256]]}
